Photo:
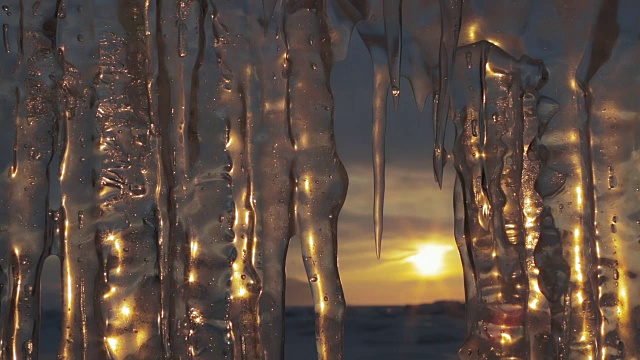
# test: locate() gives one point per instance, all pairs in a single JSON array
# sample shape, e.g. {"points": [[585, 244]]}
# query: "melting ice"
{"points": [[168, 151]]}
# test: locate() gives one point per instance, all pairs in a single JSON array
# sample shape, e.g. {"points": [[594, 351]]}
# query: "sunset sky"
{"points": [[418, 215]]}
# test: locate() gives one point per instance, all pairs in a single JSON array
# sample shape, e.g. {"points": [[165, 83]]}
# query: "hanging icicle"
{"points": [[167, 152]]}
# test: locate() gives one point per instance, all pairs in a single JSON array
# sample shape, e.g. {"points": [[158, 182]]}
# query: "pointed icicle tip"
{"points": [[439, 161], [378, 210]]}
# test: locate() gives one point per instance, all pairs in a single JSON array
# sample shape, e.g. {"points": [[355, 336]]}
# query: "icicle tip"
{"points": [[439, 161]]}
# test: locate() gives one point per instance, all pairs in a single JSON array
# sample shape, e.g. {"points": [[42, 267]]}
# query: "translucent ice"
{"points": [[167, 153]]}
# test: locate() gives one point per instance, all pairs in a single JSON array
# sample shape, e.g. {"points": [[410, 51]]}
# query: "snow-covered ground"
{"points": [[417, 332]]}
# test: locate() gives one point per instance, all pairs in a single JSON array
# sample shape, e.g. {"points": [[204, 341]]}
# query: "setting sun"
{"points": [[429, 259]]}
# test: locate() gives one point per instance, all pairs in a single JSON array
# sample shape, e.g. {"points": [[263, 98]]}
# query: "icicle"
{"points": [[130, 291], [320, 178], [35, 117], [553, 279], [246, 285], [82, 337], [264, 151], [464, 248], [468, 150], [468, 154], [615, 166], [602, 253], [160, 218], [451, 17], [175, 67], [23, 205], [420, 34], [210, 210], [538, 322], [342, 15], [392, 11], [489, 156], [213, 289], [270, 156], [379, 133], [375, 38], [9, 82]]}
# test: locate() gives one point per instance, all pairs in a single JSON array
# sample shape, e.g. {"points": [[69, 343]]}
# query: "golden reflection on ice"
{"points": [[275, 105], [141, 338], [307, 184], [535, 295], [623, 298], [63, 165], [113, 344], [494, 42], [16, 312], [579, 195], [530, 219], [473, 31], [573, 138], [505, 338], [573, 84], [112, 238], [196, 316], [111, 292], [69, 280], [576, 251], [194, 249]]}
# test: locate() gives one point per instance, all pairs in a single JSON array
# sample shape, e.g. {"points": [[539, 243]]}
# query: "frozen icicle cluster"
{"points": [[539, 209], [167, 152]]}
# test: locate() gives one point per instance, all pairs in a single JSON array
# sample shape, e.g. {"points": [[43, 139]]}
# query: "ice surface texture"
{"points": [[167, 152]]}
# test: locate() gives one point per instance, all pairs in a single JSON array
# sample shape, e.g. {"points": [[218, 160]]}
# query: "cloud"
{"points": [[410, 192]]}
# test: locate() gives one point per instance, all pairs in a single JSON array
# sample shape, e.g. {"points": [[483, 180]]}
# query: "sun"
{"points": [[429, 259]]}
